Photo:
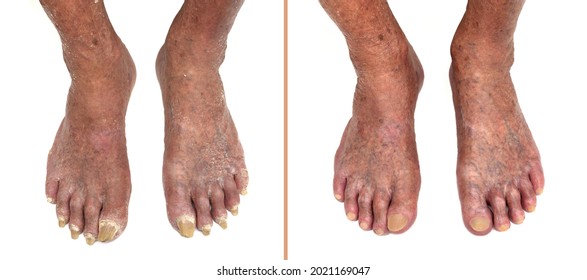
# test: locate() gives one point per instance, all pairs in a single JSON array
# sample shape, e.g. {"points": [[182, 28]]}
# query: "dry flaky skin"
{"points": [[377, 174], [203, 169], [88, 175], [499, 170]]}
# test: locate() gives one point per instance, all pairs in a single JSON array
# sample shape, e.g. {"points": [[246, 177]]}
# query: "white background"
{"points": [[549, 74], [34, 84]]}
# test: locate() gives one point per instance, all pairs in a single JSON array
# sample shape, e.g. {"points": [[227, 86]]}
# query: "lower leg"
{"points": [[499, 171], [87, 171], [376, 165], [203, 169]]}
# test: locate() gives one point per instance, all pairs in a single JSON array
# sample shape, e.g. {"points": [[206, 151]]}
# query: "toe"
{"points": [[92, 209], [180, 210], [203, 218], [365, 201], [218, 208], [351, 195], [403, 208], [381, 202], [501, 220], [231, 196], [514, 205], [476, 215], [51, 187], [76, 217], [242, 181], [62, 207], [528, 196], [537, 179], [338, 187]]}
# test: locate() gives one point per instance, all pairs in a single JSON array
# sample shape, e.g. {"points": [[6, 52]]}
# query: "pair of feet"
{"points": [[204, 172], [499, 172]]}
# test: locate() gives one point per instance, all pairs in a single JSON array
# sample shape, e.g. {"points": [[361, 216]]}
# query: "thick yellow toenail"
{"points": [[74, 231], [90, 239], [221, 221], [186, 225], [479, 224], [364, 225], [234, 210], [503, 227], [107, 230], [206, 230], [531, 208], [50, 200], [244, 191], [351, 216], [61, 221], [396, 222]]}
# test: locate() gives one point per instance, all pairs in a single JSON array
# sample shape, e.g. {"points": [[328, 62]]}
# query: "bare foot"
{"points": [[377, 174], [499, 171], [203, 170], [87, 170]]}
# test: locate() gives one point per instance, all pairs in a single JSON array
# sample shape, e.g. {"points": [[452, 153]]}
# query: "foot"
{"points": [[203, 170], [499, 171], [377, 174], [88, 175]]}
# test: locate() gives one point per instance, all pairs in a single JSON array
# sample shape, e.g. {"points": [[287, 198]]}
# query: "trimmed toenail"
{"points": [[206, 229], [90, 239], [351, 216], [186, 225], [61, 221], [338, 197], [74, 231], [503, 227], [364, 225], [479, 224], [234, 210], [519, 220], [107, 230], [221, 221], [396, 222], [531, 208], [379, 232]]}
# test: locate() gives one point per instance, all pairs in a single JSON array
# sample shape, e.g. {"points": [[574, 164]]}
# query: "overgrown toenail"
{"points": [[61, 221], [74, 231], [107, 230], [186, 225], [206, 229], [396, 222], [244, 191], [234, 210], [50, 200], [90, 239], [221, 221], [351, 216], [479, 224]]}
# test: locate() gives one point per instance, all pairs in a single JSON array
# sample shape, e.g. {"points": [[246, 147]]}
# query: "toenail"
{"points": [[244, 191], [379, 231], [107, 230], [90, 239], [234, 210], [503, 227], [61, 220], [531, 208], [221, 221], [364, 225], [519, 220], [479, 224], [206, 229], [351, 216], [74, 231], [396, 222], [338, 197], [50, 200], [186, 225]]}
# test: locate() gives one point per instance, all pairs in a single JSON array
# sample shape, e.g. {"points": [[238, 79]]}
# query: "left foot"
{"points": [[499, 170]]}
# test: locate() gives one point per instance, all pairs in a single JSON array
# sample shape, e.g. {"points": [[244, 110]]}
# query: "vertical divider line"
{"points": [[285, 133]]}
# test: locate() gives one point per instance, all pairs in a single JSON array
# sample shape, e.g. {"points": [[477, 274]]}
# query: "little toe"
{"points": [[537, 179], [51, 188], [515, 211], [218, 208], [231, 196], [381, 201], [203, 208], [501, 220], [365, 201], [242, 181], [351, 195], [528, 196], [339, 186]]}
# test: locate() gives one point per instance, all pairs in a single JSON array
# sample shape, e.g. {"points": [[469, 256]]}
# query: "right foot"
{"points": [[377, 174], [88, 175]]}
